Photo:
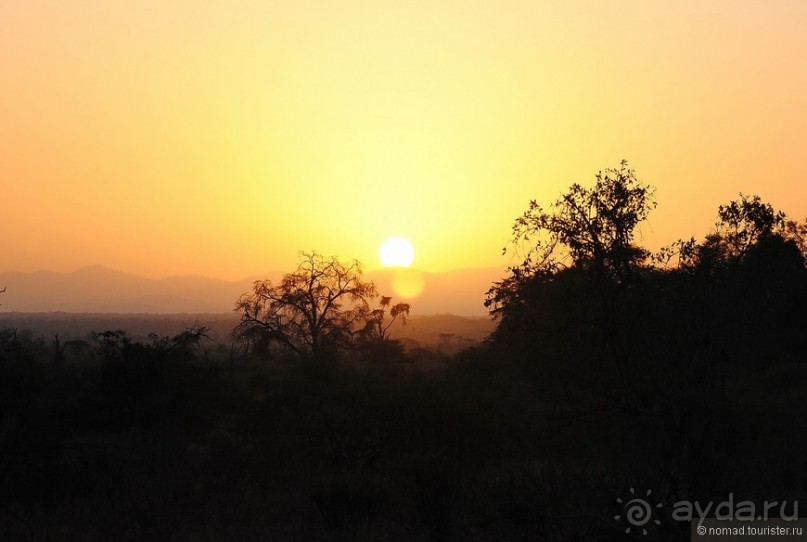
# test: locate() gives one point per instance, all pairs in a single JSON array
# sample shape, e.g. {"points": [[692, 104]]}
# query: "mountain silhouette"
{"points": [[99, 289]]}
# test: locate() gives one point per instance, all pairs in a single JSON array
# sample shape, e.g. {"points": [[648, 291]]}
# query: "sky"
{"points": [[220, 138]]}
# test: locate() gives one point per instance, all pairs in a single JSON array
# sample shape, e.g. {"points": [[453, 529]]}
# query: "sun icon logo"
{"points": [[638, 511]]}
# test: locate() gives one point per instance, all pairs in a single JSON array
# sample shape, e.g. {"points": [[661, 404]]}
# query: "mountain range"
{"points": [[98, 289]]}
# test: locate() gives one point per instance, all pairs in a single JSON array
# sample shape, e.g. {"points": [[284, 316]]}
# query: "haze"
{"points": [[220, 138]]}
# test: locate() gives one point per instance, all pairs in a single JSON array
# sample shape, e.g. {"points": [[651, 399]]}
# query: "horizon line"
{"points": [[502, 268]]}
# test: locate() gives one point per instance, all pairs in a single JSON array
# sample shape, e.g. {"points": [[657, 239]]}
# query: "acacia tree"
{"points": [[322, 305], [378, 327]]}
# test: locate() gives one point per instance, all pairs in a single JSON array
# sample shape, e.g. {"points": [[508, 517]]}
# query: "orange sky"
{"points": [[219, 138]]}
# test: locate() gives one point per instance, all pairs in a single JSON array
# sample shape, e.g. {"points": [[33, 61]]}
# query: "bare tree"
{"points": [[323, 304]]}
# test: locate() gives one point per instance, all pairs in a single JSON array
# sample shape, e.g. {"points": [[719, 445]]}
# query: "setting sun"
{"points": [[396, 252]]}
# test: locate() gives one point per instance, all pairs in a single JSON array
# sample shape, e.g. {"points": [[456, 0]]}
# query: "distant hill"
{"points": [[98, 289]]}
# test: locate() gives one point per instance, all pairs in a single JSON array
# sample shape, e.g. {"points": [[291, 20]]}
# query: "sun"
{"points": [[396, 252]]}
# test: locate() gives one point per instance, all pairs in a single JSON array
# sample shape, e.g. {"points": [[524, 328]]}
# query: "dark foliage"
{"points": [[606, 373]]}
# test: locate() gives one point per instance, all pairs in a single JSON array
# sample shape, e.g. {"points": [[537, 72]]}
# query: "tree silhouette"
{"points": [[741, 225], [741, 228], [376, 326], [593, 227], [320, 306]]}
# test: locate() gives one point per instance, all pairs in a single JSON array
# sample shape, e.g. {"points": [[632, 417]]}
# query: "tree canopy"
{"points": [[323, 305], [591, 229]]}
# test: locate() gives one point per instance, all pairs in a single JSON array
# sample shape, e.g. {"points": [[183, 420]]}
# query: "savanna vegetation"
{"points": [[683, 372]]}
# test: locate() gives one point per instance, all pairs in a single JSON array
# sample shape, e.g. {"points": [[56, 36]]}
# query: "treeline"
{"points": [[681, 372]]}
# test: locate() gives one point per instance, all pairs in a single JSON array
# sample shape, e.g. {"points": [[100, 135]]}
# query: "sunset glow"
{"points": [[214, 139], [396, 252], [408, 283]]}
